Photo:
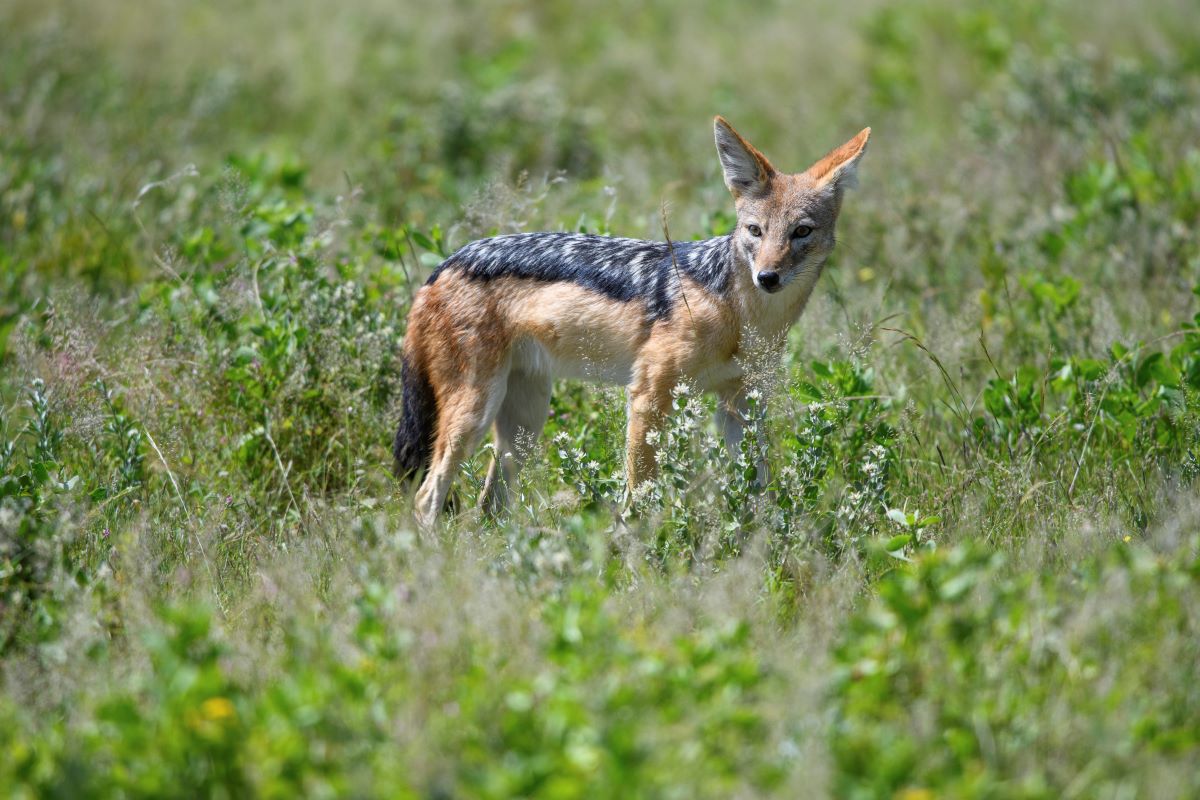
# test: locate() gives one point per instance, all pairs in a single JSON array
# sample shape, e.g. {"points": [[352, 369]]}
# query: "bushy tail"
{"points": [[414, 437]]}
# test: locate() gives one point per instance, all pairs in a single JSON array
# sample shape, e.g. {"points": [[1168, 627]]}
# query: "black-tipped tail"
{"points": [[414, 437]]}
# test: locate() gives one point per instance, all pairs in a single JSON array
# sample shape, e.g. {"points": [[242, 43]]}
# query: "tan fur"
{"points": [[491, 349]]}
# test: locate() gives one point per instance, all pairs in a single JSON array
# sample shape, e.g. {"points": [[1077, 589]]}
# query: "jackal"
{"points": [[501, 318]]}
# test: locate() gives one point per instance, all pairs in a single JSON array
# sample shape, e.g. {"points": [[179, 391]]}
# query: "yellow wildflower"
{"points": [[217, 709]]}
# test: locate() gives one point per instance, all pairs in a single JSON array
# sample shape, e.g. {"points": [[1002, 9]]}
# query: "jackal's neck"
{"points": [[709, 262]]}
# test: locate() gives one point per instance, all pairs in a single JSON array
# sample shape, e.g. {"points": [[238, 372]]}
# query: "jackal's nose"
{"points": [[768, 280]]}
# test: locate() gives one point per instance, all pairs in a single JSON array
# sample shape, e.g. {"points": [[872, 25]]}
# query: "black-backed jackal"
{"points": [[501, 318]]}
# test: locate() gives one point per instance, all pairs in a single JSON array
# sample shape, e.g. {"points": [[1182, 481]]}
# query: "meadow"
{"points": [[976, 572]]}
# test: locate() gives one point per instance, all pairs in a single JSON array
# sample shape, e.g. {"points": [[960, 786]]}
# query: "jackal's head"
{"points": [[785, 222]]}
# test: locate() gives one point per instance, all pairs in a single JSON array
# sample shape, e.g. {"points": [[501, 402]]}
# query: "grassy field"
{"points": [[977, 573]]}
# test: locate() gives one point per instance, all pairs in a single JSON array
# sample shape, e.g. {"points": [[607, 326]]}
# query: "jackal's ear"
{"points": [[840, 167], [747, 171]]}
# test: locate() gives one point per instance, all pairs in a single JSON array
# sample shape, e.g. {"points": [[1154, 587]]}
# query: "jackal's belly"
{"points": [[533, 357], [565, 331]]}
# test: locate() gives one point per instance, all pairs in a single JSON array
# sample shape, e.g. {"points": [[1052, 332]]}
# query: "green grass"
{"points": [[977, 572]]}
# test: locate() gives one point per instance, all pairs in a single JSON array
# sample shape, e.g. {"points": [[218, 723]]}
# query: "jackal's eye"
{"points": [[755, 231], [801, 232]]}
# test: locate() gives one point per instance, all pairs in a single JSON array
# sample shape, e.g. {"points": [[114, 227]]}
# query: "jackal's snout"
{"points": [[768, 281]]}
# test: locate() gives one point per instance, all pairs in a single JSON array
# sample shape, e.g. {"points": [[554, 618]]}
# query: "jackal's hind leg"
{"points": [[462, 421], [518, 425]]}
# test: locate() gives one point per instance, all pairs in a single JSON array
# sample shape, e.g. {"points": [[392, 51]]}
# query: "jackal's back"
{"points": [[625, 270]]}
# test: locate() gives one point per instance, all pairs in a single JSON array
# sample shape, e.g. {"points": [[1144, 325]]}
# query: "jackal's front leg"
{"points": [[648, 409], [733, 412]]}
